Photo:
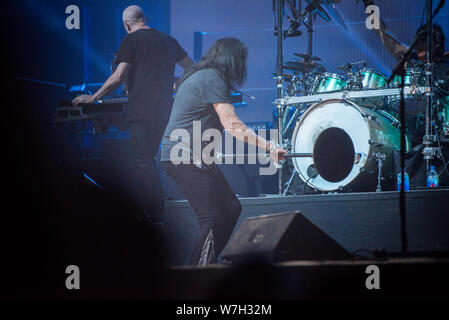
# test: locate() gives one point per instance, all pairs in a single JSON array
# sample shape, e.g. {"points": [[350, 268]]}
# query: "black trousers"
{"points": [[215, 204], [145, 137]]}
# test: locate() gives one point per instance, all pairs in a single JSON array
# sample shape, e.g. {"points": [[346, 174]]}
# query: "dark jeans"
{"points": [[215, 204], [145, 137]]}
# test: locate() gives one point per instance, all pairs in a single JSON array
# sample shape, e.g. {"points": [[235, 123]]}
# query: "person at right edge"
{"points": [[440, 57], [396, 48], [415, 164], [204, 96]]}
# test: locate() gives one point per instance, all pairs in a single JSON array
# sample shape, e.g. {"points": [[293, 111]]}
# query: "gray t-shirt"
{"points": [[194, 102]]}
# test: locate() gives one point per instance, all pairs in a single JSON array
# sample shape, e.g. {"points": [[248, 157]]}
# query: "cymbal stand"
{"points": [[429, 151], [380, 158], [289, 183]]}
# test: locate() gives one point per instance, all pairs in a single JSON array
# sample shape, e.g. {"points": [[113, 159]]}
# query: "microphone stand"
{"points": [[280, 84], [400, 70], [427, 139]]}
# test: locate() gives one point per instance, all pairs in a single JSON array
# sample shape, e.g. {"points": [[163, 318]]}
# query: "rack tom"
{"points": [[372, 79], [328, 82]]}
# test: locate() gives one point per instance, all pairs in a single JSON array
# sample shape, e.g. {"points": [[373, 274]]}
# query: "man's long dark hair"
{"points": [[228, 57]]}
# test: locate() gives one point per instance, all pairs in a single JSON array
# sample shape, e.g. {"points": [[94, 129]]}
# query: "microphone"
{"points": [[244, 94], [296, 23], [291, 32], [292, 29], [249, 96]]}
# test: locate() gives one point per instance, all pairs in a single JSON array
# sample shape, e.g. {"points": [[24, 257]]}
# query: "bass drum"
{"points": [[344, 139]]}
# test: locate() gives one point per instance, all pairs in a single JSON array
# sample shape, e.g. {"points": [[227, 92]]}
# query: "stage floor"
{"points": [[356, 221], [399, 278]]}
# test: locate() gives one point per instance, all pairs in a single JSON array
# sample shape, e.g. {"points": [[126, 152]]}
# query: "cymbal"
{"points": [[303, 64], [304, 67], [307, 57]]}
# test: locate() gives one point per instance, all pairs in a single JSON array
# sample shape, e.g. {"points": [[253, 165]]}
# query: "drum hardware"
{"points": [[396, 124], [292, 88], [298, 155], [430, 138], [349, 66], [311, 173], [345, 96], [289, 182], [430, 152], [434, 152], [280, 101], [350, 95], [353, 75], [293, 118], [354, 81], [220, 156], [300, 91], [309, 70], [370, 117], [375, 144], [380, 158], [286, 77]]}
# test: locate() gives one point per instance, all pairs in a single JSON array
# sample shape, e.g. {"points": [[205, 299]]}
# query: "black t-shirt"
{"points": [[194, 102], [153, 56]]}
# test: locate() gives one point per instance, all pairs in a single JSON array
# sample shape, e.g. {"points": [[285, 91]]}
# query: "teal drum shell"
{"points": [[444, 112], [373, 79], [328, 83], [389, 131], [411, 77]]}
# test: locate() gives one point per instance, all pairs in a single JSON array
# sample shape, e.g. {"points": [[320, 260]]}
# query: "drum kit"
{"points": [[349, 123], [343, 129]]}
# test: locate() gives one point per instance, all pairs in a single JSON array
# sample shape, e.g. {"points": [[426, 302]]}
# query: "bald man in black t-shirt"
{"points": [[146, 59]]}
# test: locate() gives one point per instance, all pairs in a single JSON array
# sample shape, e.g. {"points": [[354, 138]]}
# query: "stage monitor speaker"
{"points": [[281, 237]]}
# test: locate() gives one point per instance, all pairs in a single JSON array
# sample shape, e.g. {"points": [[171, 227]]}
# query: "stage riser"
{"points": [[356, 221], [399, 279]]}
